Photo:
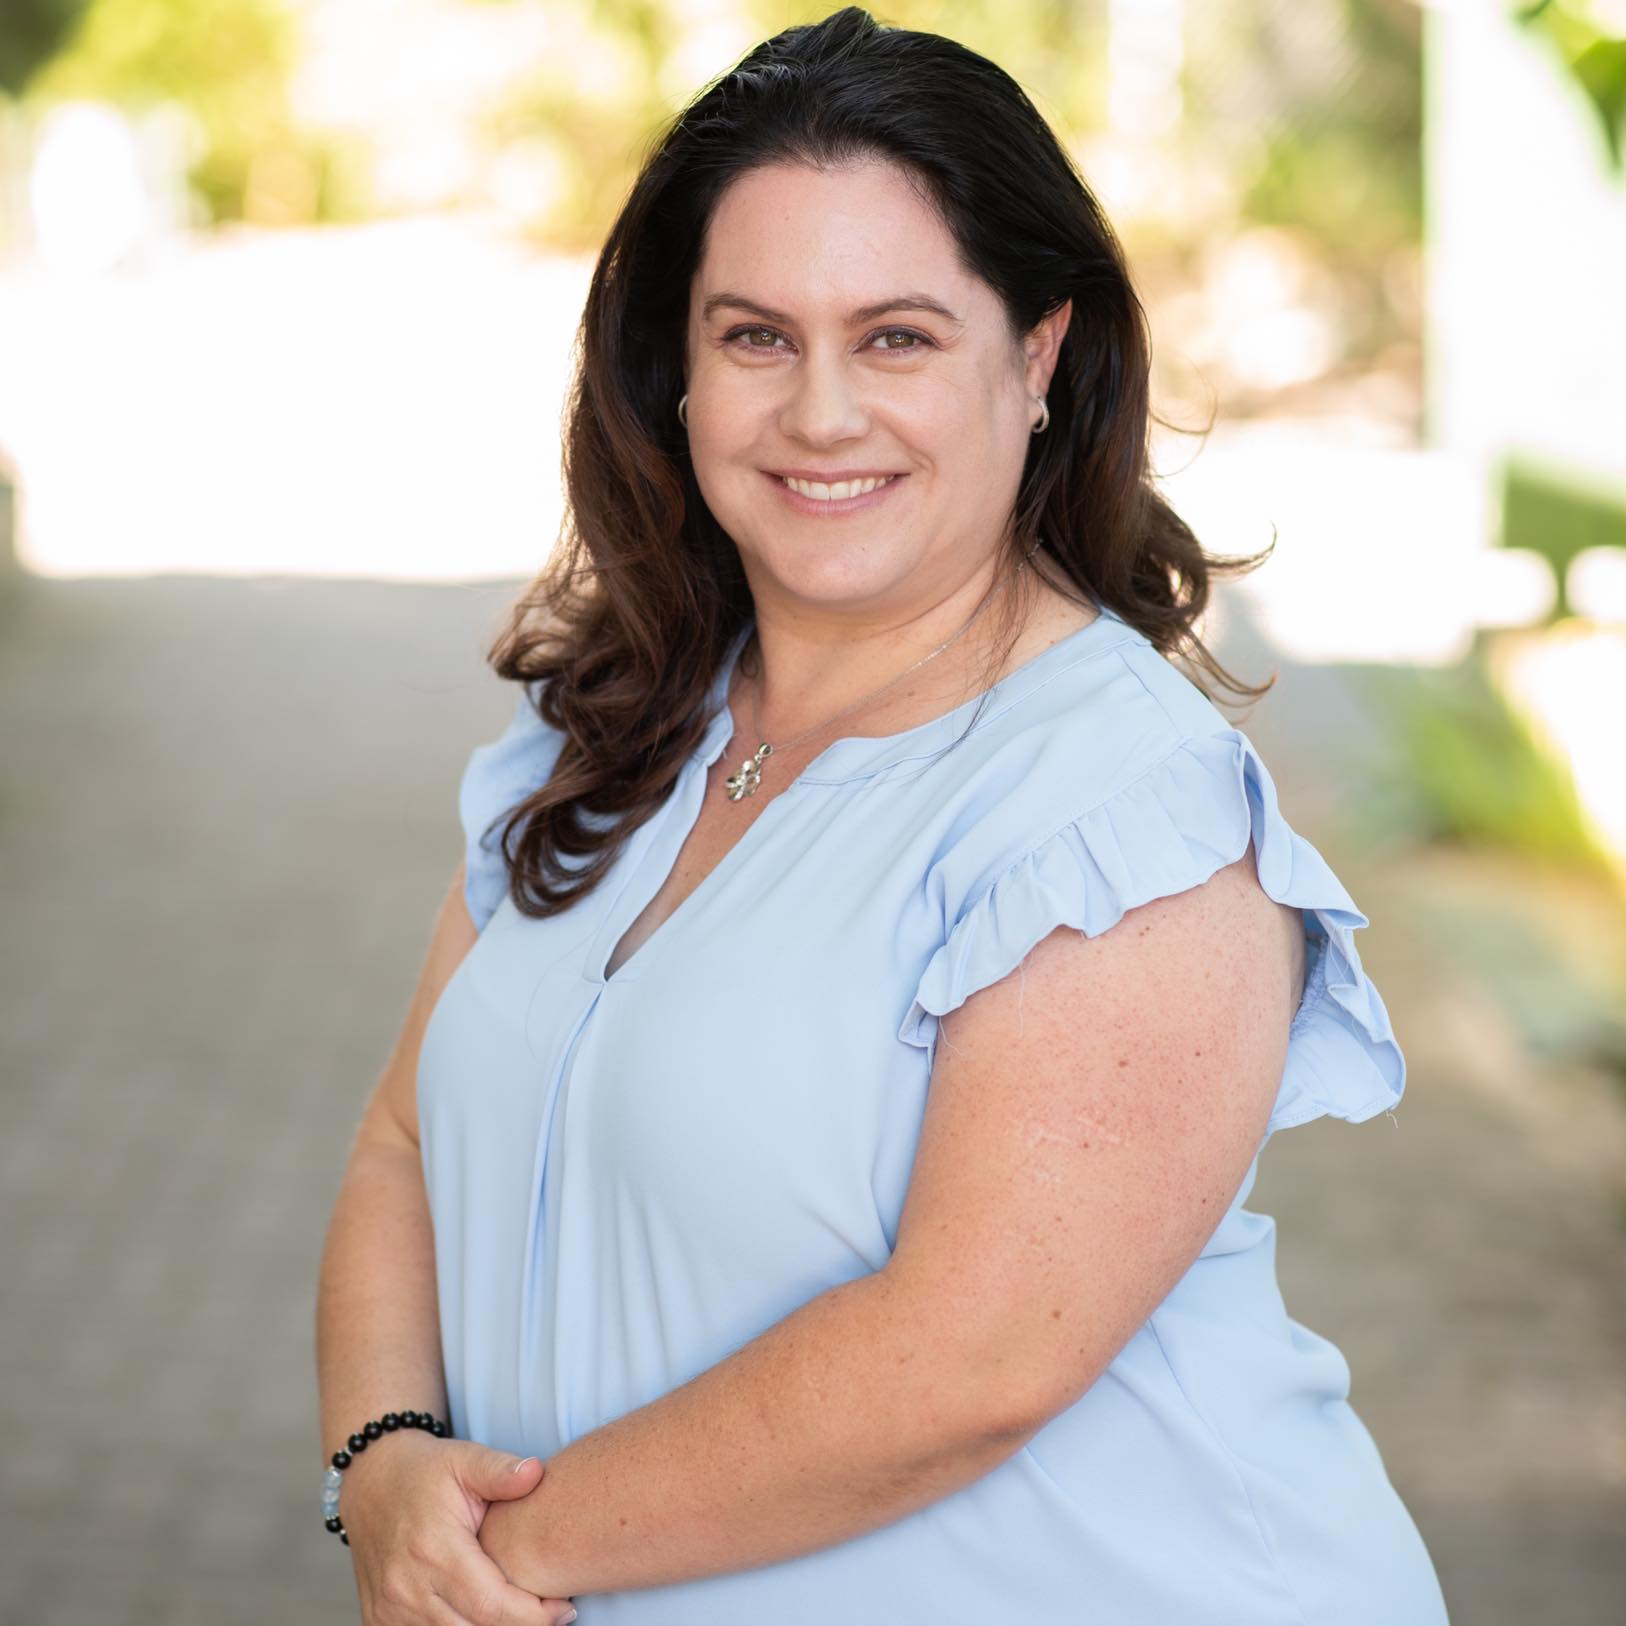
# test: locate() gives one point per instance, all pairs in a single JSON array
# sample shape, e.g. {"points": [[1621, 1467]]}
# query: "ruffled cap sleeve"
{"points": [[1164, 832], [499, 776]]}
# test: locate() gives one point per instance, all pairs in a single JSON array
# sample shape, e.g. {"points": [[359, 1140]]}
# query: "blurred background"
{"points": [[287, 292]]}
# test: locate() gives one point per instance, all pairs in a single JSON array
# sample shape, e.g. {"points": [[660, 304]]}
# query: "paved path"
{"points": [[226, 814]]}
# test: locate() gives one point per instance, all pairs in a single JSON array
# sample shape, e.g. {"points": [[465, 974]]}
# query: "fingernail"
{"points": [[520, 1466], [564, 1620]]}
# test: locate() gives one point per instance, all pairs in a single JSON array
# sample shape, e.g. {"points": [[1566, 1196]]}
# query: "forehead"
{"points": [[822, 241]]}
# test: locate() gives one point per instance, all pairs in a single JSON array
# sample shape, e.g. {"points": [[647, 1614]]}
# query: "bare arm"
{"points": [[1089, 1120], [377, 1327], [846, 1415]]}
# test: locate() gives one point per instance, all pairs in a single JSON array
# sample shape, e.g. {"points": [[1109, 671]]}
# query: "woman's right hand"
{"points": [[412, 1507]]}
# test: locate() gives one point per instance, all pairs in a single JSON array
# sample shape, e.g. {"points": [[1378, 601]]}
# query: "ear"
{"points": [[1041, 348]]}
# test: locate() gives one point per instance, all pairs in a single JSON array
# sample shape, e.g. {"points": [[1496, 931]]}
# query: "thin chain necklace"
{"points": [[744, 782]]}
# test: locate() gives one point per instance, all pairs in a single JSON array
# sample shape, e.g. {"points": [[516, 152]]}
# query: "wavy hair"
{"points": [[622, 633]]}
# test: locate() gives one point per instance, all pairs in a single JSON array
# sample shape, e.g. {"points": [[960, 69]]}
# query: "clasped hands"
{"points": [[508, 1535], [441, 1535]]}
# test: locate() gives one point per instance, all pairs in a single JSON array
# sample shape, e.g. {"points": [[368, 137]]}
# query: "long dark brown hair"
{"points": [[624, 631]]}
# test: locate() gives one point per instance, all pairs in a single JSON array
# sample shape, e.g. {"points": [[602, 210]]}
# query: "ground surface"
{"points": [[226, 815]]}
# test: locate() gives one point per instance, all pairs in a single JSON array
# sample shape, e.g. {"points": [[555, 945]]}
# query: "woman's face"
{"points": [[809, 354]]}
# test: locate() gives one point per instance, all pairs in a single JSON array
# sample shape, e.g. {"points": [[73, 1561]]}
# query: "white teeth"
{"points": [[842, 488]]}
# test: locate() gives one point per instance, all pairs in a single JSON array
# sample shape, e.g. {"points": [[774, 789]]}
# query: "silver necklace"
{"points": [[745, 781]]}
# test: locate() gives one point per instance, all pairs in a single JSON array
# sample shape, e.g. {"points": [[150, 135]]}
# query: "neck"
{"points": [[803, 681]]}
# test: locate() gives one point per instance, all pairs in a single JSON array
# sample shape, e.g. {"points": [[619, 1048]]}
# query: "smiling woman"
{"points": [[876, 965], [942, 418]]}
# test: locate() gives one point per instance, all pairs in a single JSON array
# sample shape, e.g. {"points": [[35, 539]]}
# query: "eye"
{"points": [[741, 331], [906, 332]]}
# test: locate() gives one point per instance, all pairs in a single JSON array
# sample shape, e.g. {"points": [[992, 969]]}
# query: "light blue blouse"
{"points": [[631, 1177]]}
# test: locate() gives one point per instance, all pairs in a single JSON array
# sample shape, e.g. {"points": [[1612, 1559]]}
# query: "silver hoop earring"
{"points": [[683, 415], [1044, 422]]}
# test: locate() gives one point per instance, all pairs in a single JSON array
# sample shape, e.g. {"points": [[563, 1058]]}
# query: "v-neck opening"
{"points": [[615, 926], [852, 757]]}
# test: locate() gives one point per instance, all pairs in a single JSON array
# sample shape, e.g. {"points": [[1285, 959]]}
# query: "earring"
{"points": [[1044, 422], [683, 415]]}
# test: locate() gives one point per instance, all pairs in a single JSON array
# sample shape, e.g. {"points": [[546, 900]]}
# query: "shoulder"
{"points": [[1112, 737], [500, 774], [1116, 784]]}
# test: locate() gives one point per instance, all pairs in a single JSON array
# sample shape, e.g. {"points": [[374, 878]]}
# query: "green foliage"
{"points": [[33, 29], [1594, 56], [226, 61], [1308, 109], [1317, 112], [1557, 516], [1470, 769], [1328, 184]]}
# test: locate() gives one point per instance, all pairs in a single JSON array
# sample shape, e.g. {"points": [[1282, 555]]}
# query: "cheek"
{"points": [[957, 404], [728, 418], [728, 475], [950, 431]]}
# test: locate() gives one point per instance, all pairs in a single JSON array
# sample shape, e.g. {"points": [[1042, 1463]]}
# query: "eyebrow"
{"points": [[864, 313]]}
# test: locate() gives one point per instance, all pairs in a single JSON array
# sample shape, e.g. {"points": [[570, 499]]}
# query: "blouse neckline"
{"points": [[856, 756]]}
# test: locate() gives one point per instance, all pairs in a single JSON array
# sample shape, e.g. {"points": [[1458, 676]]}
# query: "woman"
{"points": [[816, 1149]]}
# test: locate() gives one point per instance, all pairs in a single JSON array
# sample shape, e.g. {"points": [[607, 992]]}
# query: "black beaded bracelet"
{"points": [[357, 1443]]}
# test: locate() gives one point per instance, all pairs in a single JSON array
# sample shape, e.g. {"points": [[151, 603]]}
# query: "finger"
{"points": [[441, 1613], [494, 1475], [511, 1483], [487, 1597]]}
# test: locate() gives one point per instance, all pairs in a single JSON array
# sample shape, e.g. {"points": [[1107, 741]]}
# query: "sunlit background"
{"points": [[287, 296]]}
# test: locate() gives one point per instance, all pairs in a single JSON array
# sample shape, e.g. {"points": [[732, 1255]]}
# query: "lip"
{"points": [[839, 506], [831, 477]]}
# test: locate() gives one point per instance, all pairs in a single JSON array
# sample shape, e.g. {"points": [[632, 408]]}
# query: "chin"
{"points": [[836, 574]]}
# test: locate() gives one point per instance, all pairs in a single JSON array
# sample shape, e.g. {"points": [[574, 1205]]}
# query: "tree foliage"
{"points": [[34, 31], [226, 61]]}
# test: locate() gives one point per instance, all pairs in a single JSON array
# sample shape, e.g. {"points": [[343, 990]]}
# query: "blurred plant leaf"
{"points": [[1595, 58], [1472, 770]]}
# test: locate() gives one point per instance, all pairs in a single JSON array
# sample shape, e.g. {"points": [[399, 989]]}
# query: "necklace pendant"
{"points": [[745, 782]]}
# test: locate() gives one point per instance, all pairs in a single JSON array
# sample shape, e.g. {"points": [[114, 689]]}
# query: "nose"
{"points": [[823, 406]]}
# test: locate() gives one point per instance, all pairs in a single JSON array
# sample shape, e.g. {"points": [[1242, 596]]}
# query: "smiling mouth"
{"points": [[819, 491]]}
